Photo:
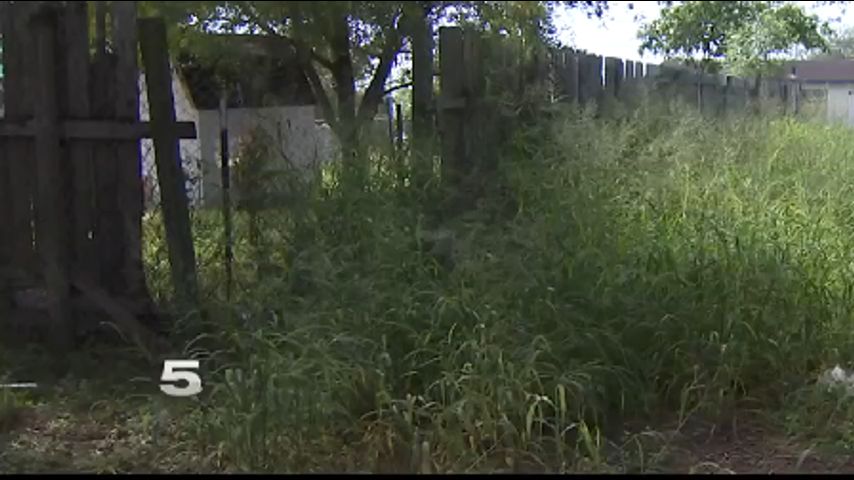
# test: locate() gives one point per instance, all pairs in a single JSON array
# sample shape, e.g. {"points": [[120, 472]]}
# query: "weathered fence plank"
{"points": [[95, 129], [130, 192], [108, 226], [5, 196], [81, 159], [70, 140], [590, 78], [19, 106], [567, 76], [422, 99], [52, 222], [452, 103], [613, 76], [176, 216]]}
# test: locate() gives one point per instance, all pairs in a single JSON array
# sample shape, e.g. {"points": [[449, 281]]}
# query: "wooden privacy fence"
{"points": [[580, 77], [478, 76], [71, 195]]}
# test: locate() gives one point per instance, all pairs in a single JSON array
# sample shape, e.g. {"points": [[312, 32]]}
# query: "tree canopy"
{"points": [[840, 45], [347, 50], [744, 37]]}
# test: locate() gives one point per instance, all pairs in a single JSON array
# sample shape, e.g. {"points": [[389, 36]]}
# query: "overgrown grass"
{"points": [[660, 264]]}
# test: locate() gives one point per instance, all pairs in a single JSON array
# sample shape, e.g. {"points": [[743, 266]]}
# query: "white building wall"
{"points": [[839, 103]]}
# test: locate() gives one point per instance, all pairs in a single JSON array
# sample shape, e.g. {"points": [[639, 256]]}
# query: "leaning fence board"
{"points": [[176, 215]]}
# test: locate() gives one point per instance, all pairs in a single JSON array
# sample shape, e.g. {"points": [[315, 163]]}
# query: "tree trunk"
{"points": [[345, 93], [348, 121]]}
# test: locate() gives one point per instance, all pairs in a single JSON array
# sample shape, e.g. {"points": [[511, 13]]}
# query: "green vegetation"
{"points": [[744, 37], [622, 286], [625, 270], [628, 277]]}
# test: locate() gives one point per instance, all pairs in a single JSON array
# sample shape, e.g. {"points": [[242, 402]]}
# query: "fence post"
{"points": [[398, 116], [726, 94], [176, 215], [422, 100], [452, 103], [225, 175], [796, 97]]}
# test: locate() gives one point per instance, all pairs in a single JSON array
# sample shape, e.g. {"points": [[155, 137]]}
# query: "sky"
{"points": [[615, 35]]}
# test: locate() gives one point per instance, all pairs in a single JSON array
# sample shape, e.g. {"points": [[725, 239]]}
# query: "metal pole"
{"points": [[225, 171]]}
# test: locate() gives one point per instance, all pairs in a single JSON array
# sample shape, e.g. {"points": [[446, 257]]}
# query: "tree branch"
{"points": [[397, 87], [323, 61], [317, 87], [374, 93], [269, 30]]}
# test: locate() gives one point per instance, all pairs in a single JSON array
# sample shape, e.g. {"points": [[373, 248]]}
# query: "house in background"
{"points": [[269, 92], [831, 79]]}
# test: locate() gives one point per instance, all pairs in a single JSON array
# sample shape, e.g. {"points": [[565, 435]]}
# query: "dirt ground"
{"points": [[92, 425], [64, 438], [751, 448]]}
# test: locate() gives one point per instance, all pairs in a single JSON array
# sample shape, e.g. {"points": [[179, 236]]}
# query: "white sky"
{"points": [[615, 35]]}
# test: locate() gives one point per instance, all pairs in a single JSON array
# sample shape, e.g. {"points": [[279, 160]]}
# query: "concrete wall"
{"points": [[299, 141]]}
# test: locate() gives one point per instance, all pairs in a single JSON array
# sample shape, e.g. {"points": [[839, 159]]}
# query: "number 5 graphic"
{"points": [[177, 370]]}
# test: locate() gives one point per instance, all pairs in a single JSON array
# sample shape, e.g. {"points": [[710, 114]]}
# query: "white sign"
{"points": [[176, 371]]}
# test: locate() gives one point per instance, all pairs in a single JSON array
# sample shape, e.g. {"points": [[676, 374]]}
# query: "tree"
{"points": [[340, 46], [347, 50], [742, 35], [841, 46]]}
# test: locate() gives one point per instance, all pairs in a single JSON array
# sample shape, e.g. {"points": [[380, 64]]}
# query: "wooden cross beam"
{"points": [[95, 129]]}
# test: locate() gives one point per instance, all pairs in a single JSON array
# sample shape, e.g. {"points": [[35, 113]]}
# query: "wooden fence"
{"points": [[581, 78], [71, 194], [478, 75]]}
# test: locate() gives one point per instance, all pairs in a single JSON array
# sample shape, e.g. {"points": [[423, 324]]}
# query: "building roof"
{"points": [[822, 70], [263, 71]]}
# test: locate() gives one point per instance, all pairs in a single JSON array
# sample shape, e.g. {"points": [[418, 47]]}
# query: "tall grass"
{"points": [[655, 264]]}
